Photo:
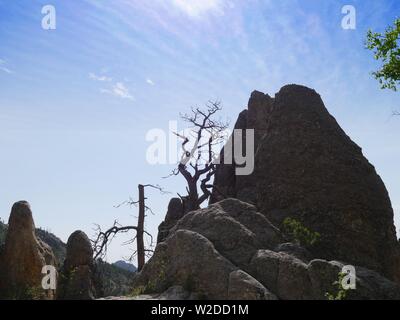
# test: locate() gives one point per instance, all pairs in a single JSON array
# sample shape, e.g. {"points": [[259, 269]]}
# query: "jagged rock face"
{"points": [[78, 275], [23, 258], [174, 213], [230, 251], [307, 168]]}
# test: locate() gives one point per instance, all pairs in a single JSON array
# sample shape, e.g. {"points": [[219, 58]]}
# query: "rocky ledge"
{"points": [[231, 251]]}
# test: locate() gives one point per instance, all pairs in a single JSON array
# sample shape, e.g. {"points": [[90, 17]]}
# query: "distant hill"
{"points": [[115, 280], [125, 266], [59, 248]]}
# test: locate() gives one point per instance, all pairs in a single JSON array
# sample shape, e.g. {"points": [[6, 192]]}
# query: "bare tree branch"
{"points": [[196, 164], [103, 239], [174, 172], [157, 187]]}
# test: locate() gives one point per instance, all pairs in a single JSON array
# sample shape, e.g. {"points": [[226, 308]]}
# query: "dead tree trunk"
{"points": [[140, 229], [104, 238]]}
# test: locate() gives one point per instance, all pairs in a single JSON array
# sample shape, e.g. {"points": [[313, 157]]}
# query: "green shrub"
{"points": [[299, 233], [341, 293], [138, 291]]}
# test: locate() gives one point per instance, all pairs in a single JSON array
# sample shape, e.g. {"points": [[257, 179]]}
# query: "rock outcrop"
{"points": [[293, 279], [231, 251], [23, 258], [174, 213], [78, 276], [307, 168], [235, 228]]}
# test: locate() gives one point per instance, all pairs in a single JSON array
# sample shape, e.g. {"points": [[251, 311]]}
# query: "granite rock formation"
{"points": [[23, 258], [78, 275], [307, 168], [231, 251]]}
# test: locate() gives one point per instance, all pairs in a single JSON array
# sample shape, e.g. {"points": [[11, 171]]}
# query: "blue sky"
{"points": [[76, 102]]}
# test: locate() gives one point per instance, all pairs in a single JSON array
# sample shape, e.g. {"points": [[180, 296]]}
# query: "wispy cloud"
{"points": [[6, 70], [3, 68], [99, 78], [197, 8], [119, 90], [150, 82]]}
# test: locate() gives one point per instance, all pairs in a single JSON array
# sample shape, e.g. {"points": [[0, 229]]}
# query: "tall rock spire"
{"points": [[23, 258], [307, 168]]}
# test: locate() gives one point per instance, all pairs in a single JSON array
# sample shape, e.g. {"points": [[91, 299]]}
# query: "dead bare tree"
{"points": [[197, 164], [103, 238]]}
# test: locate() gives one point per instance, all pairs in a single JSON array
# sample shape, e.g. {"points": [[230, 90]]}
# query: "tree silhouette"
{"points": [[198, 160], [103, 238]]}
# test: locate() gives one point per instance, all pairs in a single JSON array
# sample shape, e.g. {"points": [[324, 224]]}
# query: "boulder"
{"points": [[293, 282], [235, 228], [190, 260], [78, 278], [23, 258], [264, 266], [283, 274], [79, 250], [370, 285], [291, 279], [307, 168], [323, 275], [243, 286], [295, 250]]}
